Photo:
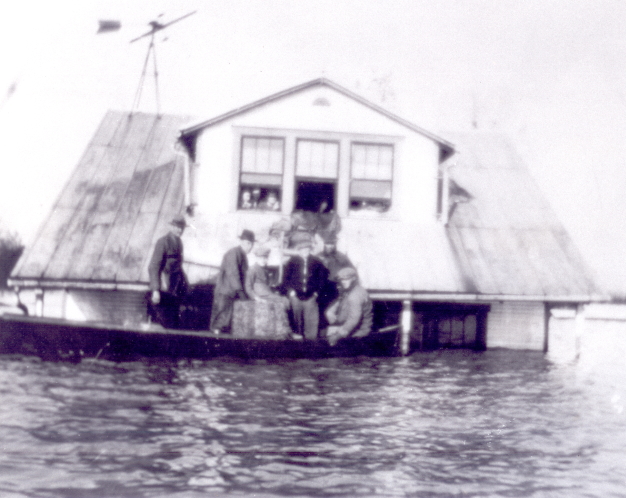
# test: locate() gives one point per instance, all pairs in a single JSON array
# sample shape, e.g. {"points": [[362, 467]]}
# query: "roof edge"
{"points": [[191, 130]]}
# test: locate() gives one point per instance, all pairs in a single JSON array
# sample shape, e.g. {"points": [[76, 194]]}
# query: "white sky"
{"points": [[551, 74]]}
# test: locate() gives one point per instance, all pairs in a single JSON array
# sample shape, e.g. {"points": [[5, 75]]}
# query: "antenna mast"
{"points": [[155, 26]]}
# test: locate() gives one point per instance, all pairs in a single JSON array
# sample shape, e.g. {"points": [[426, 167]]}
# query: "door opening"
{"points": [[311, 196]]}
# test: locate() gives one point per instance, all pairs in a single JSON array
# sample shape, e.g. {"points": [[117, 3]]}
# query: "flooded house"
{"points": [[450, 236]]}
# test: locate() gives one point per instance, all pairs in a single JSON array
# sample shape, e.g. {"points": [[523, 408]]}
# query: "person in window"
{"points": [[271, 202], [256, 197], [258, 280], [168, 283], [230, 284], [246, 200], [351, 314], [304, 278]]}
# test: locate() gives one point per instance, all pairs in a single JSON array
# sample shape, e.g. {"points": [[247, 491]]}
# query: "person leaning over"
{"points": [[166, 272], [304, 278], [230, 284], [351, 314]]}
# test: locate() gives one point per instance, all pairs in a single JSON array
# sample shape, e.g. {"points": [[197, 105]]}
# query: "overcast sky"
{"points": [[549, 74]]}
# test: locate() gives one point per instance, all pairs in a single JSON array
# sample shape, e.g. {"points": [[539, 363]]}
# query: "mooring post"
{"points": [[407, 325], [39, 302], [579, 328]]}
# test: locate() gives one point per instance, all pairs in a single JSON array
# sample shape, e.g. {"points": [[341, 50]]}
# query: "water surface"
{"points": [[439, 424]]}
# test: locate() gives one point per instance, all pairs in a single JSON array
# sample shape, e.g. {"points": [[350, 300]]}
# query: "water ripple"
{"points": [[450, 423]]}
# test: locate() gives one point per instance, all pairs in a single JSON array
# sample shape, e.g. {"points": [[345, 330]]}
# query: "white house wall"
{"points": [[516, 325], [216, 184], [415, 156]]}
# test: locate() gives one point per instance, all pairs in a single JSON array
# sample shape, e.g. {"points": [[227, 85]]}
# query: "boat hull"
{"points": [[55, 339]]}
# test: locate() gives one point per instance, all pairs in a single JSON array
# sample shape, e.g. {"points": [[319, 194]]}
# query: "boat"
{"points": [[55, 339]]}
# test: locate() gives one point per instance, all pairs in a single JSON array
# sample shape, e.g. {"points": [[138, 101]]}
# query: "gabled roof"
{"points": [[124, 191], [507, 238], [503, 241], [193, 129]]}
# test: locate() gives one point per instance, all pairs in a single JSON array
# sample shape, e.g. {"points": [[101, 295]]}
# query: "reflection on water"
{"points": [[450, 423]]}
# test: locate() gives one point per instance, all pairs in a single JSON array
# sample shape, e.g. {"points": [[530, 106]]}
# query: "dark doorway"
{"points": [[449, 325], [311, 195], [438, 325]]}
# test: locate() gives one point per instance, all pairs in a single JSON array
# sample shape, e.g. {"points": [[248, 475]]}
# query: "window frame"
{"points": [[268, 186], [319, 179], [392, 146]]}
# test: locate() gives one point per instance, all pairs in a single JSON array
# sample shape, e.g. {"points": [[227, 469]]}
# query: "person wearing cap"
{"points": [[304, 278], [230, 284], [168, 283], [351, 314], [334, 261]]}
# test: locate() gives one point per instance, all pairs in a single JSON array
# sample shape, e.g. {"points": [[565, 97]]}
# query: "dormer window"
{"points": [[317, 167], [262, 163], [371, 177]]}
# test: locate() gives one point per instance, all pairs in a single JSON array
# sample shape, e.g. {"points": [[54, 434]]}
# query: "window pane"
{"points": [[368, 189], [372, 161], [262, 155], [260, 179], [248, 154], [317, 159]]}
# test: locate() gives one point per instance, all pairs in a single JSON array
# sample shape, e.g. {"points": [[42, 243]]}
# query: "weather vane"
{"points": [[155, 27]]}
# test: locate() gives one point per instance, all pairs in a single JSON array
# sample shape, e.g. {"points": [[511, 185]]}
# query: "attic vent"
{"points": [[321, 101]]}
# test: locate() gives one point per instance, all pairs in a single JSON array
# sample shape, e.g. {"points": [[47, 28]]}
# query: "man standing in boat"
{"points": [[351, 314], [231, 282], [304, 278], [166, 272]]}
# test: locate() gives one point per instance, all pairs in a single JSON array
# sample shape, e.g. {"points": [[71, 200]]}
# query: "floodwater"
{"points": [[439, 424]]}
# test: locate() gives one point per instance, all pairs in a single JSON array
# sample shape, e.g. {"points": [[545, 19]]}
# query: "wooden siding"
{"points": [[517, 325], [507, 237], [121, 196]]}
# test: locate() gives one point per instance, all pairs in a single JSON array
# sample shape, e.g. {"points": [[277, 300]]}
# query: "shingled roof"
{"points": [[507, 239], [122, 194]]}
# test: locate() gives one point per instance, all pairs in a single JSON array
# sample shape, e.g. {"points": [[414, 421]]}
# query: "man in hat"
{"points": [[168, 283], [334, 261], [230, 284], [351, 314], [304, 278]]}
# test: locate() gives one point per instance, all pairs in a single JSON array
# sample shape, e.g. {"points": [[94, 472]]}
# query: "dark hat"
{"points": [[179, 221], [247, 235], [346, 273], [262, 252]]}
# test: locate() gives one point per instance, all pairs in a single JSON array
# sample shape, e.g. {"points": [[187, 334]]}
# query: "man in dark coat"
{"points": [[351, 314], [168, 283], [304, 278], [231, 283]]}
